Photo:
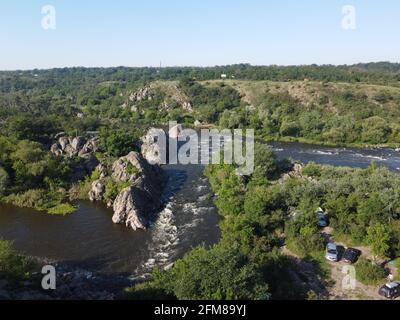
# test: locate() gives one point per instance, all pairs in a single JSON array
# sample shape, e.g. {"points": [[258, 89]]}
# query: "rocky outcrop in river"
{"points": [[142, 195], [151, 150], [134, 204]]}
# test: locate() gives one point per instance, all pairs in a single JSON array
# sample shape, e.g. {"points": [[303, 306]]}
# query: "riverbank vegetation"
{"points": [[32, 177], [13, 266], [363, 205], [277, 206], [246, 263]]}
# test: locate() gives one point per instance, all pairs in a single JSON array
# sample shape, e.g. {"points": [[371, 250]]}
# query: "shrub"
{"points": [[221, 273], [368, 272], [12, 265], [34, 198], [4, 179], [113, 189], [312, 170], [62, 209]]}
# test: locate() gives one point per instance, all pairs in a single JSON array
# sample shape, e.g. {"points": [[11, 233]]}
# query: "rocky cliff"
{"points": [[170, 90], [135, 204]]}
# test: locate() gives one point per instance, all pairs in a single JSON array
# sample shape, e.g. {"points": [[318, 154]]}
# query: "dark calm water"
{"points": [[89, 239]]}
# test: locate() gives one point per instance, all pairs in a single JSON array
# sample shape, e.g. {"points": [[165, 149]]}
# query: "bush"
{"points": [[220, 273], [369, 273], [4, 180], [61, 209], [303, 236], [12, 265], [34, 198], [113, 189], [312, 170], [118, 142]]}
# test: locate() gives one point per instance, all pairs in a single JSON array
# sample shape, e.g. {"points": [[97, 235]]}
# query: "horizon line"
{"points": [[198, 66]]}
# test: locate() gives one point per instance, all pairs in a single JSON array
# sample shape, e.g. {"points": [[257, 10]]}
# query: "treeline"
{"points": [[72, 79]]}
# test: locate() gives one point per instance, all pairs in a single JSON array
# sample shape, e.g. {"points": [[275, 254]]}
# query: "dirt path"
{"points": [[338, 274], [339, 287]]}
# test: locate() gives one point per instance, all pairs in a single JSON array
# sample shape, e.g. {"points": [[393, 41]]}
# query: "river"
{"points": [[90, 240], [348, 157]]}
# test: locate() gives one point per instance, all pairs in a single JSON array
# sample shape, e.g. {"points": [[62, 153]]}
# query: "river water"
{"points": [[349, 157], [90, 240]]}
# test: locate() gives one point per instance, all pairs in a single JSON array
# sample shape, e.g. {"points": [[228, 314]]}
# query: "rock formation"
{"points": [[294, 173], [136, 203], [153, 149], [173, 96], [141, 95], [140, 199], [96, 193], [78, 147]]}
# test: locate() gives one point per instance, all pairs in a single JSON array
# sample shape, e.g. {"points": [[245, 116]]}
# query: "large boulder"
{"points": [[63, 141], [126, 169], [76, 146], [77, 143], [152, 149], [96, 193], [135, 204], [131, 208]]}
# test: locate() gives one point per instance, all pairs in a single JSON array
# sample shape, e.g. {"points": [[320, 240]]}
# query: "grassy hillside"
{"points": [[323, 112]]}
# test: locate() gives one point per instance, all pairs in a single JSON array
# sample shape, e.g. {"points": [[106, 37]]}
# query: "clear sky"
{"points": [[196, 32]]}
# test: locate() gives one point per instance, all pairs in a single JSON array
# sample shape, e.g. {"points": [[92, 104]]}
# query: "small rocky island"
{"points": [[139, 184], [142, 195]]}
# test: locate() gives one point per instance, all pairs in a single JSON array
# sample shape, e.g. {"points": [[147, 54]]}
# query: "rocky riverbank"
{"points": [[71, 284]]}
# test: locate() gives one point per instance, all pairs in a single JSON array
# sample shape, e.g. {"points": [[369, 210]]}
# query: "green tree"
{"points": [[4, 180], [375, 130], [118, 142], [220, 273], [378, 238]]}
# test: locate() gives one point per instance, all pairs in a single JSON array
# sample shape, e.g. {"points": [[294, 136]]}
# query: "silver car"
{"points": [[332, 253]]}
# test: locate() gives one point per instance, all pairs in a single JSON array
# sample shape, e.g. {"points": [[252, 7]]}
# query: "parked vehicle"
{"points": [[332, 253], [351, 255], [390, 290], [322, 220]]}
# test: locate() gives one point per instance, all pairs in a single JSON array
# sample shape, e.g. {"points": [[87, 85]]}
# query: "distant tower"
{"points": [[159, 70]]}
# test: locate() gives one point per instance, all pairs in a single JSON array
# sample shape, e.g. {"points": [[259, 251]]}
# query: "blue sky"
{"points": [[202, 32]]}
